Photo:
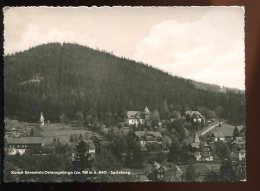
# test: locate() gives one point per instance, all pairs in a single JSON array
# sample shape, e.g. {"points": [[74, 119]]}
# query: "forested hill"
{"points": [[68, 78]]}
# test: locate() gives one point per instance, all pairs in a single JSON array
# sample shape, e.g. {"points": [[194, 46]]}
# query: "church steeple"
{"points": [[42, 119], [146, 113], [146, 110], [196, 138]]}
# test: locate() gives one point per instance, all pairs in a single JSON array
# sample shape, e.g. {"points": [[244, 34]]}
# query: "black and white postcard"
{"points": [[124, 94]]}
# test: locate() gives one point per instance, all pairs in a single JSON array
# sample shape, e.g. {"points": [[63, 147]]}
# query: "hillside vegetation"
{"points": [[66, 78]]}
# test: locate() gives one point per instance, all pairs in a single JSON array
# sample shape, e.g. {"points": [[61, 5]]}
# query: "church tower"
{"points": [[146, 113], [42, 119], [196, 138]]}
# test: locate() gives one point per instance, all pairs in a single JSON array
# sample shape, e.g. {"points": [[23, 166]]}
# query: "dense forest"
{"points": [[67, 78]]}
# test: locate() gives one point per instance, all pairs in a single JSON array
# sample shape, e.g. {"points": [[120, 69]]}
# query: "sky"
{"points": [[205, 44]]}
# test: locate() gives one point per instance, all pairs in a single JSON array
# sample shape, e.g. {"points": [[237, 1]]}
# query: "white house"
{"points": [[22, 145], [137, 117]]}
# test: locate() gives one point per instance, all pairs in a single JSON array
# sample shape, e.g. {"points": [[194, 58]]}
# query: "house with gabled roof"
{"points": [[217, 136], [195, 117], [238, 148], [146, 138], [137, 117], [22, 145], [200, 151]]}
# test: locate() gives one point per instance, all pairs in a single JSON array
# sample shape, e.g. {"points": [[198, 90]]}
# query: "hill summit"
{"points": [[66, 78]]}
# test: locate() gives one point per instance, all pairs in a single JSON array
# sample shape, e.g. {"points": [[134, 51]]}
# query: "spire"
{"points": [[42, 119], [146, 110], [196, 138]]}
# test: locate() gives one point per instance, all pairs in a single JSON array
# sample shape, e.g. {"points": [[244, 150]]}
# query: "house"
{"points": [[97, 143], [217, 136], [23, 145], [226, 133], [137, 117], [200, 151], [35, 79], [167, 142], [75, 140], [15, 132], [195, 117], [206, 153], [146, 138], [195, 148], [166, 172], [242, 155], [238, 148]]}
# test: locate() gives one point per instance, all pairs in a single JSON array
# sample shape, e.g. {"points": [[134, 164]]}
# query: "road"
{"points": [[210, 128]]}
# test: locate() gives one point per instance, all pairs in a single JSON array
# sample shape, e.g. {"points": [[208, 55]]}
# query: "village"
{"points": [[142, 143]]}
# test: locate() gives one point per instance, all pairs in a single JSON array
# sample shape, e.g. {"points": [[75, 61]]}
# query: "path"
{"points": [[203, 132]]}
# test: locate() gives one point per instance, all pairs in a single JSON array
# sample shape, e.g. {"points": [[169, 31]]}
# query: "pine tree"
{"points": [[226, 171], [81, 156], [235, 133], [165, 109]]}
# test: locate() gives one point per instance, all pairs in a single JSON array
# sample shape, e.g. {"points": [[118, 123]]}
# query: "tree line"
{"points": [[74, 78]]}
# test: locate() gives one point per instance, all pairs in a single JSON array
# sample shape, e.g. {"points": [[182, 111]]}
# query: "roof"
{"points": [[133, 114], [75, 142], [168, 139], [195, 145], [242, 151], [146, 110], [61, 132], [193, 113], [196, 138], [241, 128], [142, 133], [90, 144], [218, 134], [239, 142], [25, 140]]}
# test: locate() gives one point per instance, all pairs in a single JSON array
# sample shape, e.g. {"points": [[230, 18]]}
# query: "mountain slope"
{"points": [[67, 78]]}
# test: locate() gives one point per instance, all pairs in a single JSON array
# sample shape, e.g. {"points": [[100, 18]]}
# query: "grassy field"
{"points": [[202, 169], [61, 131], [226, 129]]}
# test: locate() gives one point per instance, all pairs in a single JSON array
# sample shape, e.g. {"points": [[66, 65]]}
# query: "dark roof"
{"points": [[24, 140], [218, 134], [195, 145], [90, 144], [142, 133], [196, 138]]}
